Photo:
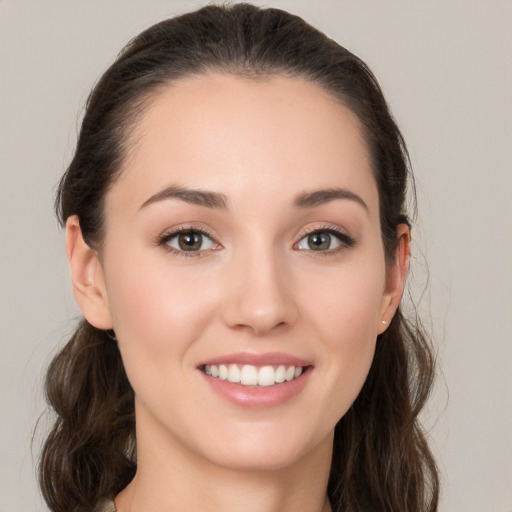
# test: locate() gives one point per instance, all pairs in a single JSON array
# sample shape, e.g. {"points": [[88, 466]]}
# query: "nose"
{"points": [[259, 298]]}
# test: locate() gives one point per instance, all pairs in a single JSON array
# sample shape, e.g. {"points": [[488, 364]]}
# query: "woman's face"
{"points": [[243, 242]]}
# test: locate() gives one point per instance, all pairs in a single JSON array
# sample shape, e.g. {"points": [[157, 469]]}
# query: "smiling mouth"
{"points": [[249, 375]]}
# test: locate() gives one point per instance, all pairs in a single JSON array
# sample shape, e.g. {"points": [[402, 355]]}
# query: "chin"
{"points": [[256, 461], [267, 450]]}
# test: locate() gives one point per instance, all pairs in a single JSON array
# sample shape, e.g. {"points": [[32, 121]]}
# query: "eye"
{"points": [[188, 241], [324, 240]]}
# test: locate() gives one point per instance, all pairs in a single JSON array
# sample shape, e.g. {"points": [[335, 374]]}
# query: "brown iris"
{"points": [[319, 241], [190, 241]]}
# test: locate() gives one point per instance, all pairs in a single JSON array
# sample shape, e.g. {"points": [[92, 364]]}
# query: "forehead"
{"points": [[231, 134]]}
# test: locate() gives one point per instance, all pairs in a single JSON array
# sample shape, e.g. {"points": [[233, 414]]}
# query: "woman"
{"points": [[238, 246]]}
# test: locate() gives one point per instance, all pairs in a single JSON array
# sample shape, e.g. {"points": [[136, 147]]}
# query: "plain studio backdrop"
{"points": [[445, 68]]}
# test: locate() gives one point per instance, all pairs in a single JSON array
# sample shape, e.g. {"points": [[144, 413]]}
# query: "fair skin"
{"points": [[284, 265]]}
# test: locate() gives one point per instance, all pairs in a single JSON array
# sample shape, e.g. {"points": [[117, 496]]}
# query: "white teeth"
{"points": [[249, 375], [290, 373], [281, 373], [266, 376], [223, 372], [233, 373]]}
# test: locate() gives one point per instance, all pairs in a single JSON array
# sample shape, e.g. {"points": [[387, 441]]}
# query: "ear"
{"points": [[395, 278], [87, 277]]}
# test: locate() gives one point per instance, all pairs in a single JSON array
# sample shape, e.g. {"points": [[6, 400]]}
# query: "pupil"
{"points": [[319, 241], [190, 241]]}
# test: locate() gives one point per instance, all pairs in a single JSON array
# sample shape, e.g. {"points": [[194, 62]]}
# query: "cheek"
{"points": [[157, 313], [346, 304], [346, 317]]}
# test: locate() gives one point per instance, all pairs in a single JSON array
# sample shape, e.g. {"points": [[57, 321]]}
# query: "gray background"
{"points": [[445, 67]]}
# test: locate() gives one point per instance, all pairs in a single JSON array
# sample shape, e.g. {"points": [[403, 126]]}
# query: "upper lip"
{"points": [[264, 359]]}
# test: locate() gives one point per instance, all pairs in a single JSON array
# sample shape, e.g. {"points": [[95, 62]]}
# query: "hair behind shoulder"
{"points": [[381, 460]]}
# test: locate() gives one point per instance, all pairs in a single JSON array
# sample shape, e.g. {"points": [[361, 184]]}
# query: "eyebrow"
{"points": [[219, 201], [318, 197], [191, 196]]}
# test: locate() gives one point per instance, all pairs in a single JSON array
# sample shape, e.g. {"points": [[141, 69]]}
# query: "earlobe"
{"points": [[395, 280], [87, 277]]}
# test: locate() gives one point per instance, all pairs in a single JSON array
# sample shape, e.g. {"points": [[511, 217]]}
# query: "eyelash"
{"points": [[346, 241], [164, 240]]}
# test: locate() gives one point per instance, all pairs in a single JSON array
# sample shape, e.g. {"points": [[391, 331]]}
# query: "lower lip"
{"points": [[258, 397]]}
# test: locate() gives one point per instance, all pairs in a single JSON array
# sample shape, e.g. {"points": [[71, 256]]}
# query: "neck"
{"points": [[171, 479]]}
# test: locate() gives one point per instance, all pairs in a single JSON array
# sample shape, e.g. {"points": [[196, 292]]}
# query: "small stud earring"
{"points": [[384, 322]]}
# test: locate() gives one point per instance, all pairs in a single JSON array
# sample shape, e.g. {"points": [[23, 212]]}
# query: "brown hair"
{"points": [[381, 461]]}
